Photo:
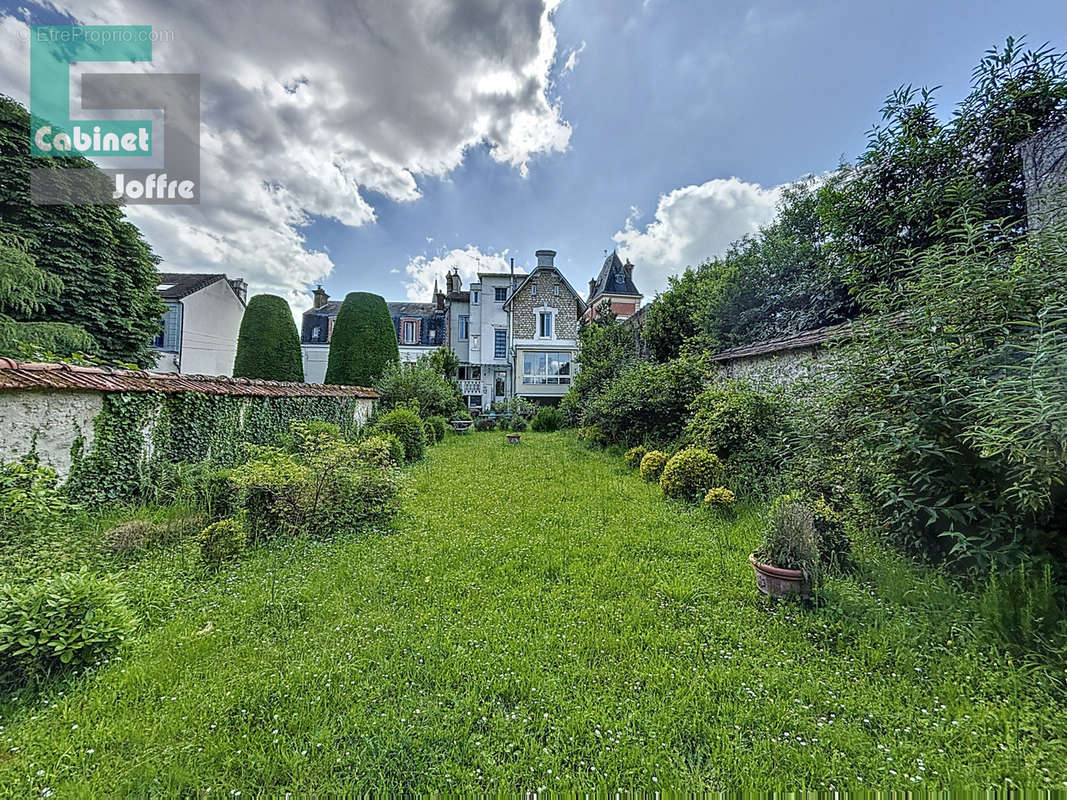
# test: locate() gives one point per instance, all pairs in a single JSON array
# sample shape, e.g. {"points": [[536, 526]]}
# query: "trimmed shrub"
{"points": [[268, 345], [634, 455], [383, 450], [719, 497], [547, 420], [484, 424], [222, 541], [517, 425], [439, 425], [690, 473], [363, 341], [593, 436], [652, 464], [69, 621], [407, 427]]}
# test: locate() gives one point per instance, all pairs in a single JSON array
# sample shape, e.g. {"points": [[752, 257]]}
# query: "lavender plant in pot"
{"points": [[788, 559]]}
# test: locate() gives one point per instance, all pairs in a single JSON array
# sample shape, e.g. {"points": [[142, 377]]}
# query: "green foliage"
{"points": [[70, 621], [106, 271], [517, 424], [690, 473], [444, 361], [420, 383], [719, 497], [222, 541], [268, 345], [30, 499], [438, 425], [382, 451], [1022, 612], [407, 427], [484, 423], [647, 402], [604, 351], [325, 488], [363, 341], [678, 315], [790, 540], [547, 420], [729, 415], [945, 420], [634, 456], [126, 465], [652, 464]]}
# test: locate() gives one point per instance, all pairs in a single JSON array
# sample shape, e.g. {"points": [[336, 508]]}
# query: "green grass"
{"points": [[539, 617]]}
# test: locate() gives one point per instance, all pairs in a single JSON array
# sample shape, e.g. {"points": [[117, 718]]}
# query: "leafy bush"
{"points": [[222, 541], [514, 405], [604, 351], [790, 539], [383, 451], [268, 345], [647, 402], [439, 425], [30, 499], [324, 489], [484, 423], [592, 436], [419, 386], [719, 497], [363, 342], [407, 427], [517, 424], [652, 465], [690, 473], [634, 455], [461, 413], [69, 621], [547, 419], [730, 415]]}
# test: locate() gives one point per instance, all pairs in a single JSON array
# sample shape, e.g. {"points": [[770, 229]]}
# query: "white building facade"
{"points": [[201, 323]]}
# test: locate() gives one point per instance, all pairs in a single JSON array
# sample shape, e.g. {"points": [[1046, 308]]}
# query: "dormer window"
{"points": [[410, 331]]}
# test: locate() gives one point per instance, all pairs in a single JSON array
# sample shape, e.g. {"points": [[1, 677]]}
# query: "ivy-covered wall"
{"points": [[112, 458]]}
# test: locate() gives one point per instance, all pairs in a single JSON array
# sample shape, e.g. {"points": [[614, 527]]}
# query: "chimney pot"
{"points": [[321, 298], [628, 267]]}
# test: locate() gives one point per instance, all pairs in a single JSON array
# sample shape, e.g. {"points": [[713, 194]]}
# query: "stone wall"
{"points": [[48, 423], [1044, 159], [525, 303]]}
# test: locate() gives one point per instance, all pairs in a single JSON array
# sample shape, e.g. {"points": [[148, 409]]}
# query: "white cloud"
{"points": [[306, 109], [423, 270], [692, 224], [572, 57]]}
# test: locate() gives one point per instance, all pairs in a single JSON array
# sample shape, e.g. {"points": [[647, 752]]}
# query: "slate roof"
{"points": [[183, 284], [29, 375], [411, 309], [613, 279], [330, 309]]}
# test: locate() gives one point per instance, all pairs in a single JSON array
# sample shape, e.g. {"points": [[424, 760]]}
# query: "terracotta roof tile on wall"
{"points": [[25, 375]]}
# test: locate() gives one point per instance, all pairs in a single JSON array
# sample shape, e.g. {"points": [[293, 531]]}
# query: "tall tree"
{"points": [[268, 345], [107, 272], [363, 341]]}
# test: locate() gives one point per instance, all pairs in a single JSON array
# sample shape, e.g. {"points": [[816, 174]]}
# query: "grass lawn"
{"points": [[539, 617]]}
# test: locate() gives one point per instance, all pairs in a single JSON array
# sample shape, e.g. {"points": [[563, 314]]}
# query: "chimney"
{"points": [[438, 297], [545, 258], [629, 268], [592, 287], [321, 298]]}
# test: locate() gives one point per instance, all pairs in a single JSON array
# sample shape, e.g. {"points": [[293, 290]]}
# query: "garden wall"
{"points": [[783, 360], [107, 429]]}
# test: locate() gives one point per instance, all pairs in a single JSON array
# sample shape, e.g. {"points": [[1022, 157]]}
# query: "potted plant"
{"points": [[513, 438], [788, 558]]}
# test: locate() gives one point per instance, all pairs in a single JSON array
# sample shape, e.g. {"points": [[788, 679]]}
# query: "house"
{"points": [[420, 328], [615, 287], [201, 323], [479, 333], [544, 310]]}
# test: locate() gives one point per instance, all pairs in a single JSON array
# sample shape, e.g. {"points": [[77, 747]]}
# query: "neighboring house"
{"points": [[201, 323], [479, 333], [615, 287], [544, 310], [420, 328]]}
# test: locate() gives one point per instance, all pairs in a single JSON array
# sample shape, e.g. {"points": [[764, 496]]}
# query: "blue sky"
{"points": [[638, 100]]}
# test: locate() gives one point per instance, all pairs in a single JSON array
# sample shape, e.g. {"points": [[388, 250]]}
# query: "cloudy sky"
{"points": [[371, 145]]}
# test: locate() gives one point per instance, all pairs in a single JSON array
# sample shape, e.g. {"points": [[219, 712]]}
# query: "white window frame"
{"points": [[464, 335], [413, 328], [548, 377], [543, 314], [475, 293]]}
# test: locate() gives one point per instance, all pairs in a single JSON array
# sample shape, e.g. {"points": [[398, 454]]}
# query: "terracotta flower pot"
{"points": [[778, 582], [513, 438]]}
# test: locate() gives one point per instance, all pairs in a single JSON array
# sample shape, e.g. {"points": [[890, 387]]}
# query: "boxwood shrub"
{"points": [[652, 464], [634, 455], [690, 473]]}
